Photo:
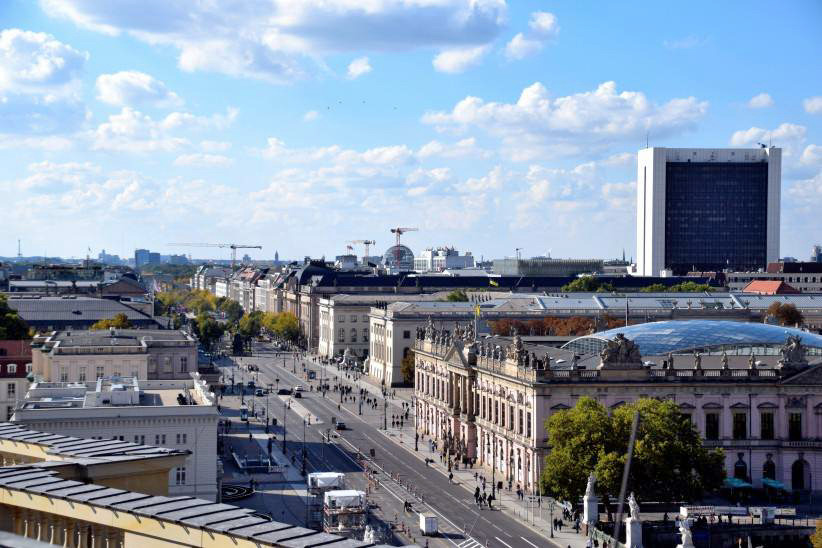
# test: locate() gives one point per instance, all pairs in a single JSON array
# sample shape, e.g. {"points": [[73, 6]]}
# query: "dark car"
{"points": [[341, 426], [298, 395], [284, 391]]}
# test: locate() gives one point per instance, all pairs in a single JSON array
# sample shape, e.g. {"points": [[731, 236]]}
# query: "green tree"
{"points": [[12, 326], [407, 368], [119, 321], [232, 309], [669, 461], [287, 327], [457, 296], [654, 288], [208, 330], [786, 314], [587, 284], [690, 287]]}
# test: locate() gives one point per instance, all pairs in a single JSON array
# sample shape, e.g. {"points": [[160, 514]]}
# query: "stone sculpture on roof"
{"points": [[793, 353], [620, 350], [430, 331]]}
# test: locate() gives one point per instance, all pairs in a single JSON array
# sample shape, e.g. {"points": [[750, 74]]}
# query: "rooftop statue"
{"points": [[620, 350], [793, 353]]}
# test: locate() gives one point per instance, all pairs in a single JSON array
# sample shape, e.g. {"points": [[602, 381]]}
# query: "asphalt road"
{"points": [[453, 503]]}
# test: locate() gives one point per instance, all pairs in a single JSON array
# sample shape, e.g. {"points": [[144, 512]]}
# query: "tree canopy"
{"points": [[194, 300], [284, 325], [12, 326], [786, 314], [232, 309], [119, 321], [457, 296], [208, 330], [407, 368], [669, 461], [587, 284]]}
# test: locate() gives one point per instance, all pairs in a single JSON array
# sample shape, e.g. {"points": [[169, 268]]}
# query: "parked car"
{"points": [[299, 388], [341, 426], [259, 392], [298, 394], [284, 391]]}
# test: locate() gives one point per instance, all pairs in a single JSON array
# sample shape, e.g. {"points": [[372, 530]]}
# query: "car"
{"points": [[341, 426], [284, 392], [259, 392], [298, 394], [299, 388]]}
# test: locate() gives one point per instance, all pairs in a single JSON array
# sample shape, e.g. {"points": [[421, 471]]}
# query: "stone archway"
{"points": [[800, 475]]}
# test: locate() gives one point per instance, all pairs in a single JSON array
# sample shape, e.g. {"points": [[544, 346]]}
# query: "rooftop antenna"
{"points": [[19, 249], [647, 139]]}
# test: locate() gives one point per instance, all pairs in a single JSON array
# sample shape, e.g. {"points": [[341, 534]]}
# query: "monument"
{"points": [[590, 503], [687, 540], [633, 525]]}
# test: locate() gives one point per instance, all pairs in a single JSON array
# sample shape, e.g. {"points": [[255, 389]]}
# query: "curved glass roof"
{"points": [[660, 338]]}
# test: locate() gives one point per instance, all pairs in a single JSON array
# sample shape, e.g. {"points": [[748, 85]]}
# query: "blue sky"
{"points": [[488, 126]]}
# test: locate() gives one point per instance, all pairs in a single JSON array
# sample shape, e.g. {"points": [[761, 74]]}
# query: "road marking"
{"points": [[529, 542], [470, 543], [505, 543]]}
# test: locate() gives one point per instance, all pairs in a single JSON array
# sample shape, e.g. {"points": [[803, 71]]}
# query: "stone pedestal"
{"points": [[590, 513], [633, 533]]}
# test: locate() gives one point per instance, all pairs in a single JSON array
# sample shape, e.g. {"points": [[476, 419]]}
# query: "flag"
{"points": [[477, 310], [494, 283]]}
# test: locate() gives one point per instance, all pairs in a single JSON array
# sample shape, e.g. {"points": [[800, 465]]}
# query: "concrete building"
{"points": [[15, 365], [52, 491], [82, 356], [804, 277], [47, 314], [206, 277], [141, 257], [177, 413], [707, 209], [486, 400], [442, 258], [546, 266]]}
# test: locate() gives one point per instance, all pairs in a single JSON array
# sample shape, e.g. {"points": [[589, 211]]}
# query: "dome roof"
{"points": [[707, 336], [406, 257]]}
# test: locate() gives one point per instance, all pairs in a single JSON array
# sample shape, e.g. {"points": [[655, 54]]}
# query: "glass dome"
{"points": [[705, 336], [406, 257]]}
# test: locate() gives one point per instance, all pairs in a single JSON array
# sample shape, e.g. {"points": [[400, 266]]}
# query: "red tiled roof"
{"points": [[769, 287]]}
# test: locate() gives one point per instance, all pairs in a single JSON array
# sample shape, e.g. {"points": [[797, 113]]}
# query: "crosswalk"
{"points": [[470, 543]]}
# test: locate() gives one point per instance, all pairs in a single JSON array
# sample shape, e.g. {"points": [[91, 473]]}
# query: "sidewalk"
{"points": [[538, 518]]}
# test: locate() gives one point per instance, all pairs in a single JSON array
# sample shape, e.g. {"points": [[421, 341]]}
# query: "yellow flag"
{"points": [[494, 283], [477, 310]]}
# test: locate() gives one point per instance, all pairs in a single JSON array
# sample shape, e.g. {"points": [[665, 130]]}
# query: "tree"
{"points": [[669, 461], [407, 368], [232, 309], [654, 288], [12, 326], [208, 330], [457, 296], [816, 537], [587, 284], [284, 325], [690, 287], [119, 321], [786, 314]]}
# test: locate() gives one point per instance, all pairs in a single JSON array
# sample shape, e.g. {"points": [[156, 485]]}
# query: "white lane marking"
{"points": [[505, 543], [529, 542]]}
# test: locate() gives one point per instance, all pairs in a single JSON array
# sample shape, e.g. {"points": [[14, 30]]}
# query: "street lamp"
{"points": [[494, 467], [551, 509], [285, 431]]}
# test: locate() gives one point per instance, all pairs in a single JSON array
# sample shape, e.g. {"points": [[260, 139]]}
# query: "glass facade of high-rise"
{"points": [[715, 215]]}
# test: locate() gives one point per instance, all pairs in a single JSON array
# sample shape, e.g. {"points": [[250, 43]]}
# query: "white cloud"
{"points": [[50, 143], [459, 59], [812, 156], [437, 175], [520, 47], [789, 137], [573, 124], [134, 88], [132, 131], [493, 180], [808, 192], [463, 148], [544, 23], [35, 62], [275, 40], [310, 116], [687, 42], [813, 105], [387, 155], [761, 100], [203, 160], [358, 67], [39, 85], [215, 146]]}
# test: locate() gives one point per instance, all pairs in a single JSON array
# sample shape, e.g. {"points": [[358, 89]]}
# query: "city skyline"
{"points": [[138, 128]]}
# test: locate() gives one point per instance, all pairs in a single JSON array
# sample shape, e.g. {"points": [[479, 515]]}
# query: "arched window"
{"points": [[769, 470], [353, 334], [800, 475]]}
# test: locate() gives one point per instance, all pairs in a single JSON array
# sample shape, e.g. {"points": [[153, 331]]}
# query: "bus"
{"points": [[244, 412]]}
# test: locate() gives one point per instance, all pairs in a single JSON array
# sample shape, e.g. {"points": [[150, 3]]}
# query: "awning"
{"points": [[736, 483], [767, 482]]}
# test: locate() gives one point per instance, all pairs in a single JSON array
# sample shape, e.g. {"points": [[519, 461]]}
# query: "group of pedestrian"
{"points": [[482, 499]]}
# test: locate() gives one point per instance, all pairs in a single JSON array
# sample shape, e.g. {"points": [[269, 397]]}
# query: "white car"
{"points": [[299, 388]]}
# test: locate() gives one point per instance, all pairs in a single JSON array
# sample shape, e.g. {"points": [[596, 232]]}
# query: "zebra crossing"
{"points": [[470, 543]]}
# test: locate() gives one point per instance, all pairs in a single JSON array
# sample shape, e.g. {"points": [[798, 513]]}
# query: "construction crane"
{"points": [[399, 231], [233, 247], [367, 244]]}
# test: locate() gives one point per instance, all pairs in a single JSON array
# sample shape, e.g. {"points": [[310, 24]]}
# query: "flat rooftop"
{"points": [[118, 337]]}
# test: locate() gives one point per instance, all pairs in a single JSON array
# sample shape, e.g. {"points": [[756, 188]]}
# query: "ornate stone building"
{"points": [[486, 401]]}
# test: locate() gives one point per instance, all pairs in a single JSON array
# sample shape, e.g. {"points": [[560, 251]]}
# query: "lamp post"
{"points": [[303, 470], [385, 414], [494, 467], [285, 431], [551, 509]]}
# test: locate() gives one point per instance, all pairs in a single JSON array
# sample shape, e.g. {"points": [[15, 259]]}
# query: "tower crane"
{"points": [[367, 244], [399, 231], [233, 247]]}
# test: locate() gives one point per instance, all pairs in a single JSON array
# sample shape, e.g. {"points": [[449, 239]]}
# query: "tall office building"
{"points": [[707, 209], [141, 257]]}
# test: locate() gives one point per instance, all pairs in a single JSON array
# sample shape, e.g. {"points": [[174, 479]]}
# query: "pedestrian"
{"points": [[450, 477]]}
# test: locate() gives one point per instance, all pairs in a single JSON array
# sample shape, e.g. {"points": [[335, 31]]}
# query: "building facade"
{"points": [[15, 365], [546, 266], [442, 258], [142, 412], [707, 209], [487, 400], [83, 356], [804, 277]]}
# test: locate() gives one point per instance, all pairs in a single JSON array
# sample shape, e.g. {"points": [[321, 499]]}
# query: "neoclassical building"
{"points": [[744, 386]]}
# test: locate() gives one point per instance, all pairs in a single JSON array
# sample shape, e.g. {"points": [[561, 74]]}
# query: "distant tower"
{"points": [[276, 256], [19, 249]]}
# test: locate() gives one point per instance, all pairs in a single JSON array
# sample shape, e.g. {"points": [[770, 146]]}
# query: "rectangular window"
{"points": [[167, 364], [63, 374], [341, 335], [184, 364], [152, 364], [9, 412], [141, 439], [519, 422], [511, 418], [795, 426], [159, 439], [711, 426], [99, 371], [740, 426], [11, 390], [496, 412], [766, 426], [180, 475], [81, 376], [406, 334], [528, 424]]}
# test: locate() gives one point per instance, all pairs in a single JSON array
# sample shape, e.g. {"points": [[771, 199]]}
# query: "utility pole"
{"points": [[285, 408], [385, 414], [303, 470]]}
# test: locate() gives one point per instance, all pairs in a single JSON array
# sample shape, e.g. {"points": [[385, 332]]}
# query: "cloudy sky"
{"points": [[299, 126]]}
